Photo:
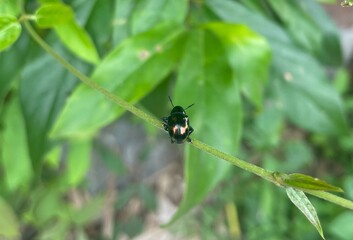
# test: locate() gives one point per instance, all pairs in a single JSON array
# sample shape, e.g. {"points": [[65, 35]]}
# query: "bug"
{"points": [[177, 124]]}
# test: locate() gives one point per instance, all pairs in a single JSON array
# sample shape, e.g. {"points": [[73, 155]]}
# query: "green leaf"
{"points": [[47, 205], [56, 231], [300, 200], [122, 15], [302, 181], [341, 226], [130, 71], [266, 132], [249, 57], [299, 82], [205, 67], [304, 93], [10, 7], [52, 14], [144, 16], [15, 158], [110, 159], [311, 28], [11, 64], [42, 98], [10, 30], [101, 15], [77, 40], [9, 225], [88, 212], [233, 12], [78, 161]]}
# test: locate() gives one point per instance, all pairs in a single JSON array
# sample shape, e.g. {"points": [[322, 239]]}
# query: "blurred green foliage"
{"points": [[256, 71]]}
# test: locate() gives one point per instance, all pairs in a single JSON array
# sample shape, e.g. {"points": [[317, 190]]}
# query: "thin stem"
{"points": [[267, 175], [331, 198]]}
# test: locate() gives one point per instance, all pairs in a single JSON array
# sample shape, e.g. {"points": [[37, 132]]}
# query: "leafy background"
{"points": [[269, 85]]}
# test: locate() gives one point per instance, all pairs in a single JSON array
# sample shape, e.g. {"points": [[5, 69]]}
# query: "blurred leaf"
{"points": [[131, 227], [47, 205], [55, 231], [265, 133], [52, 157], [341, 81], [148, 197], [144, 15], [78, 160], [249, 57], [88, 212], [348, 186], [10, 7], [83, 10], [11, 64], [341, 226], [10, 30], [101, 15], [52, 14], [77, 40], [304, 92], [300, 200], [299, 82], [234, 12], [122, 18], [43, 90], [217, 119], [298, 154], [109, 158], [15, 158], [9, 225], [131, 71], [308, 25]]}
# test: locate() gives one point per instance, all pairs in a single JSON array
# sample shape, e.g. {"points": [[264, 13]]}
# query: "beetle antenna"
{"points": [[189, 106], [171, 101]]}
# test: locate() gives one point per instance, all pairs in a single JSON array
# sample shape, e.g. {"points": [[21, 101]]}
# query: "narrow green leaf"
{"points": [[15, 158], [302, 181], [9, 225], [53, 14], [78, 161], [203, 63], [77, 40], [249, 57], [131, 71], [10, 30], [300, 200]]}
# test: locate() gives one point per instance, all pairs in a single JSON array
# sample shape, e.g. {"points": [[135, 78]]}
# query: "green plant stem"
{"points": [[268, 175]]}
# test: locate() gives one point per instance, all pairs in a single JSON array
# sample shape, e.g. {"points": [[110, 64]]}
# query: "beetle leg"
{"points": [[165, 123], [188, 139], [190, 130]]}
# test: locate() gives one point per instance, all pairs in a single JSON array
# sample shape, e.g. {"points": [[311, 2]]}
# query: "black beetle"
{"points": [[177, 124]]}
